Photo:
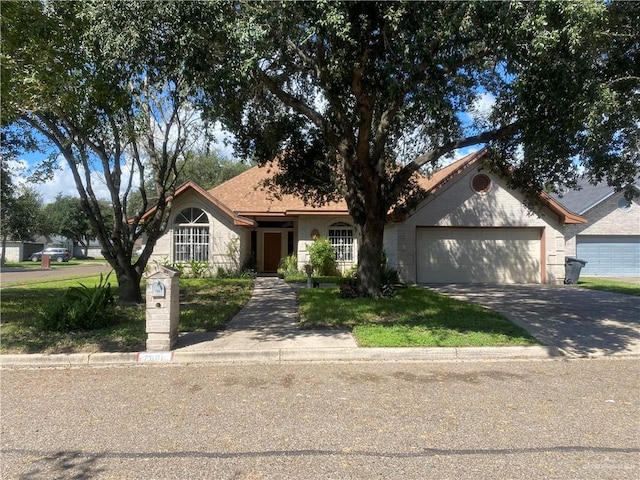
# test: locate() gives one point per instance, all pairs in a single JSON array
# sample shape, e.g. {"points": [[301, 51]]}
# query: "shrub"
{"points": [[198, 269], [322, 256], [388, 276], [80, 308], [288, 265]]}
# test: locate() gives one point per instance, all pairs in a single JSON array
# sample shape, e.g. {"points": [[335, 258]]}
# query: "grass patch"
{"points": [[416, 317], [302, 278], [613, 286], [206, 304]]}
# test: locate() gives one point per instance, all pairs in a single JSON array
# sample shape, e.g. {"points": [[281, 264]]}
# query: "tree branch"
{"points": [[405, 173]]}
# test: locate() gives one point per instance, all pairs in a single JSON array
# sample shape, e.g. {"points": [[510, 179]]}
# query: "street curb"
{"points": [[282, 355]]}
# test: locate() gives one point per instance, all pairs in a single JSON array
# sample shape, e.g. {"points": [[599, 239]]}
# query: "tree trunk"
{"points": [[3, 258], [370, 236], [128, 284]]}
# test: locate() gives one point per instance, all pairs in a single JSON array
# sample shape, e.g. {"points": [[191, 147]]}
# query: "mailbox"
{"points": [[163, 308]]}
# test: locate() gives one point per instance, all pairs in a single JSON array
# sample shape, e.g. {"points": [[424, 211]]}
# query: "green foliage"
{"points": [[227, 273], [288, 265], [208, 303], [610, 285], [80, 308], [198, 269], [322, 256], [22, 217], [388, 276], [233, 252], [66, 217]]}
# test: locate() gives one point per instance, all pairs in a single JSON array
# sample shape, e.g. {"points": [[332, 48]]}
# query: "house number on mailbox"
{"points": [[158, 289]]}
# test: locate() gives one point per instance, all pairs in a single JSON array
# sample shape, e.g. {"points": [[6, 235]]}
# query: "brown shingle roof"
{"points": [[246, 195]]}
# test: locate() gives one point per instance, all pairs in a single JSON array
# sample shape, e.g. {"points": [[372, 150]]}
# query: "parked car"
{"points": [[54, 253]]}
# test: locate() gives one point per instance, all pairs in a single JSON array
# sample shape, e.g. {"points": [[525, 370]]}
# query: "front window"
{"points": [[341, 238], [191, 236]]}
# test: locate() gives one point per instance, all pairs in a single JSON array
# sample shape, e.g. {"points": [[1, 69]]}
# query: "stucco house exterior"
{"points": [[610, 241], [470, 229]]}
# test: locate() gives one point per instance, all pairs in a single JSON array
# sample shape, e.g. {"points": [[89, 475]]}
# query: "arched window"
{"points": [[191, 236], [341, 238]]}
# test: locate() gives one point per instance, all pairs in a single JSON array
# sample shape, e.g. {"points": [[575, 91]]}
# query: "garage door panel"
{"points": [[478, 255], [609, 255]]}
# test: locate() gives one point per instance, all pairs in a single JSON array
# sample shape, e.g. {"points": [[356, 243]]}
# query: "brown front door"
{"points": [[272, 249]]}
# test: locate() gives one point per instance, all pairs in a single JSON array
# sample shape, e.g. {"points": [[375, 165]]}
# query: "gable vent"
{"points": [[481, 183]]}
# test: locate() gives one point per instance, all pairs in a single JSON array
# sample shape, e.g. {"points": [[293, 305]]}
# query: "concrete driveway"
{"points": [[577, 321]]}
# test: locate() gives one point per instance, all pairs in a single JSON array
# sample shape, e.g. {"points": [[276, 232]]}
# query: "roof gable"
{"points": [[440, 178], [191, 186]]}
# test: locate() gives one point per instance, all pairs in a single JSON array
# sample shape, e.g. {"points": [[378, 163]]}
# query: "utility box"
{"points": [[163, 308], [46, 262]]}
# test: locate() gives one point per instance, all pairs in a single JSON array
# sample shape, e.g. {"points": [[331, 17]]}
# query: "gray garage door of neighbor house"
{"points": [[478, 255], [609, 255]]}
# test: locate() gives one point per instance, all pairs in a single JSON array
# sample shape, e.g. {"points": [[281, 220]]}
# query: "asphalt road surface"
{"points": [[17, 275], [576, 419]]}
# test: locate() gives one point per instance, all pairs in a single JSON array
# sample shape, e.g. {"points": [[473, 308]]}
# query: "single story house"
{"points": [[470, 229], [610, 241]]}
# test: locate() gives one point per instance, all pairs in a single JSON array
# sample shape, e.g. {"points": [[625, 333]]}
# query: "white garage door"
{"points": [[478, 255]]}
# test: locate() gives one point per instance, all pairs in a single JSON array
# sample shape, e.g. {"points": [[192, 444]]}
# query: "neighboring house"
{"points": [[470, 229], [610, 241], [21, 251]]}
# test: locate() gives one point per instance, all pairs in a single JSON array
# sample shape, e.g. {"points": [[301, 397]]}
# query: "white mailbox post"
{"points": [[163, 308]]}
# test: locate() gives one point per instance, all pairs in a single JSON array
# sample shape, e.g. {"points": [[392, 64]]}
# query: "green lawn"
{"points": [[415, 317], [206, 304], [613, 286]]}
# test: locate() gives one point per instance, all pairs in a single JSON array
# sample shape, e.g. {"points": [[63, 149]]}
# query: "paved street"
{"points": [[17, 275], [558, 419]]}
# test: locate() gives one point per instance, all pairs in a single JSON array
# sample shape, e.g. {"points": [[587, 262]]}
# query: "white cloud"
{"points": [[62, 182], [483, 106], [218, 139]]}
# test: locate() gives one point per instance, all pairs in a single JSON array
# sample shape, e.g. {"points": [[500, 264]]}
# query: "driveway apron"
{"points": [[580, 322]]}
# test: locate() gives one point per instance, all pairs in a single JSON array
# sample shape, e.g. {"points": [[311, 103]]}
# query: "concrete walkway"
{"points": [[268, 321]]}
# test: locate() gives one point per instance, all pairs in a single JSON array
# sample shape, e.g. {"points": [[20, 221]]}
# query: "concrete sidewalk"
{"points": [[266, 331]]}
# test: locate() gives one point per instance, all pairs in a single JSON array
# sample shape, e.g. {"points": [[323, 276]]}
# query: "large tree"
{"points": [[103, 85], [354, 98], [21, 215], [66, 217]]}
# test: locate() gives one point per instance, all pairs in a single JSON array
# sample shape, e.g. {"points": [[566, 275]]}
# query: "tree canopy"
{"points": [[354, 98]]}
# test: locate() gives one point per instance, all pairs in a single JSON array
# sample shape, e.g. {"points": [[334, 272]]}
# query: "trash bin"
{"points": [[46, 262], [572, 268]]}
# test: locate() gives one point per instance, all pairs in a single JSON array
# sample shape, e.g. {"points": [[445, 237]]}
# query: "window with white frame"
{"points": [[191, 236], [341, 238]]}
